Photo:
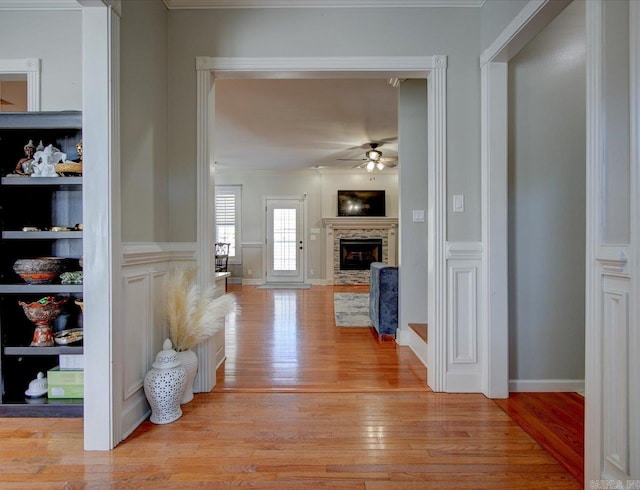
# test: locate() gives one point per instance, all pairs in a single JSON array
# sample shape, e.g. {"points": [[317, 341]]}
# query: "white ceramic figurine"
{"points": [[44, 164]]}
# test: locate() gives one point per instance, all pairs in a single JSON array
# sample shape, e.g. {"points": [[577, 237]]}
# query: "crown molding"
{"points": [[228, 4], [39, 5]]}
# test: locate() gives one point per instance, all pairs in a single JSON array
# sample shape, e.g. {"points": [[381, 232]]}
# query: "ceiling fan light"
{"points": [[370, 166], [374, 155], [380, 165]]}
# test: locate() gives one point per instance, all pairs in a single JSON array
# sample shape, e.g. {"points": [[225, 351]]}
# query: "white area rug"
{"points": [[351, 309]]}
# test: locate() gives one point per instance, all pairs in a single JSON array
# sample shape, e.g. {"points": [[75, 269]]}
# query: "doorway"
{"points": [[284, 244], [433, 68]]}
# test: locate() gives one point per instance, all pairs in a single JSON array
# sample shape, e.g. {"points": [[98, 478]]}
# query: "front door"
{"points": [[284, 240]]}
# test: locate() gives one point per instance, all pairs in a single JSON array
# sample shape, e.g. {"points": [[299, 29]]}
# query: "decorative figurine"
{"points": [[25, 165], [44, 164], [74, 167], [79, 149]]}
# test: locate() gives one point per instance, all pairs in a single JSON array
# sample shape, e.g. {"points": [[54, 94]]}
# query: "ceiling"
{"points": [[301, 123]]}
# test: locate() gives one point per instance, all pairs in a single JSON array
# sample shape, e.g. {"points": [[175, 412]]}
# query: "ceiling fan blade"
{"points": [[388, 159], [352, 159]]}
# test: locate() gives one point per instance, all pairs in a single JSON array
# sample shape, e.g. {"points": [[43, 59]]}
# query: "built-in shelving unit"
{"points": [[41, 203]]}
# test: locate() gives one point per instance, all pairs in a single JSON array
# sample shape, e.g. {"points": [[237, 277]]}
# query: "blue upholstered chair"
{"points": [[383, 298]]}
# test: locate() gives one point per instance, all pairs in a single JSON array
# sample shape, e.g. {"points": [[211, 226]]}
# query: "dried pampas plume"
{"points": [[192, 316]]}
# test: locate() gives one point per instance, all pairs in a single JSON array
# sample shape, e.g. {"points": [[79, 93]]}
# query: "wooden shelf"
{"points": [[43, 351], [50, 181], [40, 288], [41, 120], [71, 407], [41, 235]]}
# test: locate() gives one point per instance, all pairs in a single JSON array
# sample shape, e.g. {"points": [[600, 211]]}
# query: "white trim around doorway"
{"points": [[433, 68], [494, 303], [30, 68]]}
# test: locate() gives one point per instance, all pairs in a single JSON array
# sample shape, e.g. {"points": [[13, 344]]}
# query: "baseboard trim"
{"points": [[317, 282], [416, 344], [546, 385], [234, 280], [252, 282]]}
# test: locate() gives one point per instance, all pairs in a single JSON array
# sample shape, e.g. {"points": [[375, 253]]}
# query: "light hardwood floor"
{"points": [[300, 404]]}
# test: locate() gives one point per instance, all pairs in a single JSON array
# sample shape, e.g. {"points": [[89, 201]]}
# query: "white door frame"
{"points": [[31, 68], [494, 298], [612, 442], [433, 68], [303, 233]]}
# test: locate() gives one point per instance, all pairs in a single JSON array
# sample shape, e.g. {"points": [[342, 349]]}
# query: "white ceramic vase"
{"points": [[164, 386], [189, 361]]}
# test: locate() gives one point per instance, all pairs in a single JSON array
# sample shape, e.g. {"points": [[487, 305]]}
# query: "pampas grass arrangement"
{"points": [[192, 316]]}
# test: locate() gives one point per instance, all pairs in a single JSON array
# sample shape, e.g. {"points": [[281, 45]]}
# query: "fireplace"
{"points": [[357, 254]]}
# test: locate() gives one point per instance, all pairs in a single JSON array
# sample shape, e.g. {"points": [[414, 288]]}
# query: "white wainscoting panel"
{"points": [[463, 347], [137, 315], [616, 377], [144, 267], [464, 369]]}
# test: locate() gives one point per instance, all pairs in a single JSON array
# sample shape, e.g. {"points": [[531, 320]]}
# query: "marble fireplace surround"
{"points": [[357, 227]]}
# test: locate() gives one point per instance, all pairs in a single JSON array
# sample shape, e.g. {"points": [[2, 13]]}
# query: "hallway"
{"points": [[300, 404]]}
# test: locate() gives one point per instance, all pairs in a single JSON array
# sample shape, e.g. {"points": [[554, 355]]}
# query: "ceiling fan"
{"points": [[374, 159]]}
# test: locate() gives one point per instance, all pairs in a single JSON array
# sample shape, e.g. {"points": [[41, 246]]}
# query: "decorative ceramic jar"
{"points": [[164, 386], [189, 361], [38, 387]]}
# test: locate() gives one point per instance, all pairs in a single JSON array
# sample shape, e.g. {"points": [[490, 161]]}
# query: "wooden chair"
{"points": [[222, 256]]}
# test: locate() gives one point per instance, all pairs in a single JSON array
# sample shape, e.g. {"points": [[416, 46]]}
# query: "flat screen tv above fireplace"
{"points": [[361, 203]]}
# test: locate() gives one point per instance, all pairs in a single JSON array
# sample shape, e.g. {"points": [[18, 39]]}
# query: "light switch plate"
{"points": [[418, 215], [458, 203]]}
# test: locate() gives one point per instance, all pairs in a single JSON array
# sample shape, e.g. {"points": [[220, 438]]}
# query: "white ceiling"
{"points": [[302, 124]]}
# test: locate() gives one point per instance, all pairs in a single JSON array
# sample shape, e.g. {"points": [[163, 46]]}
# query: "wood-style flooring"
{"points": [[300, 404], [555, 421]]}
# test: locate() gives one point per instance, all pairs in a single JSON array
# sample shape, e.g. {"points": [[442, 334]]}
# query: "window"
{"points": [[228, 198]]}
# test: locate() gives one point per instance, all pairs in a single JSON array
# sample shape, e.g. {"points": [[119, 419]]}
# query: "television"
{"points": [[361, 203]]}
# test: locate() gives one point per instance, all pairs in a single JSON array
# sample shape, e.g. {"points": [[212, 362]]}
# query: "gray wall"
{"points": [[56, 38], [328, 32], [547, 202], [412, 150], [145, 203]]}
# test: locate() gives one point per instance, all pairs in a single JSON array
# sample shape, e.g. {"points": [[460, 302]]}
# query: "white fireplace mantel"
{"points": [[355, 223]]}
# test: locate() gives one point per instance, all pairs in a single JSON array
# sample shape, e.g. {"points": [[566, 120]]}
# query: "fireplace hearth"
{"points": [[357, 254]]}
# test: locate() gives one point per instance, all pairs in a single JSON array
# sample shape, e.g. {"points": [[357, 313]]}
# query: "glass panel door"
{"points": [[284, 240]]}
